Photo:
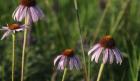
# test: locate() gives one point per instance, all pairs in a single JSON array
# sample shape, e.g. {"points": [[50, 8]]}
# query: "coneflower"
{"points": [[67, 60], [12, 28], [28, 8], [107, 48]]}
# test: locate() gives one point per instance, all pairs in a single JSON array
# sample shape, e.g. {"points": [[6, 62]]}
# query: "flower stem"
{"points": [[81, 40], [64, 74], [23, 50], [13, 56], [100, 72]]}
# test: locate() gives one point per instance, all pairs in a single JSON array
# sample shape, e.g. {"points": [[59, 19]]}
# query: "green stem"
{"points": [[81, 40], [100, 72], [64, 74], [23, 50], [13, 56]]}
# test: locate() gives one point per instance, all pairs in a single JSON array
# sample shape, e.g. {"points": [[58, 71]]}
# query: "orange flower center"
{"points": [[13, 26], [107, 42], [68, 52], [28, 3]]}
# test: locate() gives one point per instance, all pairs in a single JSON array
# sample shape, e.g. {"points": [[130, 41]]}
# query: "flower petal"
{"points": [[57, 58], [34, 15], [7, 33], [61, 64], [117, 55], [111, 56], [93, 48], [71, 63], [98, 54], [105, 55]]}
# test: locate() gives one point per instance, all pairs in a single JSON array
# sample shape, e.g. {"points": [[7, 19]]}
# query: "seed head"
{"points": [[13, 26], [107, 42], [68, 52], [28, 3]]}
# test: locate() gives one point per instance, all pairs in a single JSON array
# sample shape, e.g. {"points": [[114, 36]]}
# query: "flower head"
{"points": [[67, 59], [28, 8], [28, 3], [12, 28], [107, 48]]}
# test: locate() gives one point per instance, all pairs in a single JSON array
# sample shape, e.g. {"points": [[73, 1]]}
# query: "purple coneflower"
{"points": [[106, 47], [12, 28], [67, 60], [28, 8]]}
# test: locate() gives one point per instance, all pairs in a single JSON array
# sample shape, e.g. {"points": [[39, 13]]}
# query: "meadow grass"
{"points": [[58, 31]]}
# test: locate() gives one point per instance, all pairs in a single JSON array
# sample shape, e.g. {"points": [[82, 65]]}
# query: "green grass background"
{"points": [[59, 30]]}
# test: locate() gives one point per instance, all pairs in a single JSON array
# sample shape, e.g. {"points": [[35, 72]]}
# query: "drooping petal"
{"points": [[57, 58], [95, 53], [34, 15], [94, 48], [16, 13], [4, 28], [61, 64], [19, 13], [7, 33], [71, 63], [111, 56], [117, 55], [105, 55], [30, 19], [77, 61], [23, 13], [39, 12], [98, 54]]}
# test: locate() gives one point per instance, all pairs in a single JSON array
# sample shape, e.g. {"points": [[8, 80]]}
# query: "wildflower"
{"points": [[67, 59], [28, 8], [107, 48], [12, 28]]}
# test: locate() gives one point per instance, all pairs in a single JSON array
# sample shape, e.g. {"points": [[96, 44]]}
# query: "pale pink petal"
{"points": [[30, 20], [19, 13], [111, 56], [20, 29], [57, 58], [7, 33], [97, 54], [93, 48], [22, 14], [93, 56], [15, 11], [34, 14], [4, 28], [105, 55], [61, 64]]}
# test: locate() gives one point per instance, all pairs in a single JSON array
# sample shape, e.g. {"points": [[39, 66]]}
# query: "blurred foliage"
{"points": [[58, 31]]}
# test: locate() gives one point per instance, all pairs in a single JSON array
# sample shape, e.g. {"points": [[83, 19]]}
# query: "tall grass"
{"points": [[58, 30]]}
